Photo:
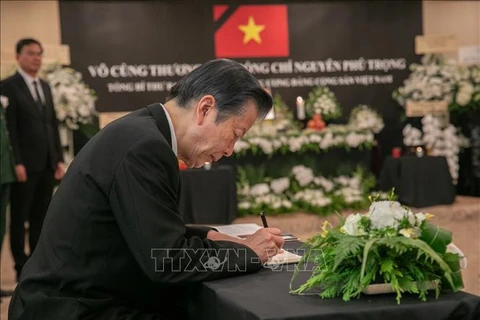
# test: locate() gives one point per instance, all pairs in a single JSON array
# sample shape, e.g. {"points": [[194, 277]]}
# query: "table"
{"points": [[208, 196], [264, 295], [418, 182]]}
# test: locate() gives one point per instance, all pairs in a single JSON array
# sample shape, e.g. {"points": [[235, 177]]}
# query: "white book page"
{"points": [[237, 230]]}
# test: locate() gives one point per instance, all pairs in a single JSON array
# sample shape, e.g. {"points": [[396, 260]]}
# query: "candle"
{"points": [[300, 108]]}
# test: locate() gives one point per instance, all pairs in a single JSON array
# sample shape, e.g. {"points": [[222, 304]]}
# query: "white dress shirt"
{"points": [[172, 131], [29, 81]]}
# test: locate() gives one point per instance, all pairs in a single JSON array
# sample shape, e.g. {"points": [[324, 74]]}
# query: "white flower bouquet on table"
{"points": [[323, 101], [388, 245], [74, 100], [365, 118]]}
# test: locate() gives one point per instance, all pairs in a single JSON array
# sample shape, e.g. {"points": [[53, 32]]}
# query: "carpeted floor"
{"points": [[462, 218]]}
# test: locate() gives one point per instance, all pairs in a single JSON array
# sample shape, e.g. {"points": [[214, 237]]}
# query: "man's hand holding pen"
{"points": [[266, 243]]}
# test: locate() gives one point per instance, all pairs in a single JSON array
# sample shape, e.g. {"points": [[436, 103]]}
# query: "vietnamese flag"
{"points": [[252, 31]]}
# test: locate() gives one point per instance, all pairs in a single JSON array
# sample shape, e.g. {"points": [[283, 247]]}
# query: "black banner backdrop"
{"points": [[131, 53]]}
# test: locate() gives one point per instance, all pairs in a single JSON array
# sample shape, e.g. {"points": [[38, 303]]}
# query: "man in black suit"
{"points": [[33, 128], [114, 245]]}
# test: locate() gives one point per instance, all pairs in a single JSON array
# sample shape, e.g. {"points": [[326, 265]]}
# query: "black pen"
{"points": [[264, 219]]}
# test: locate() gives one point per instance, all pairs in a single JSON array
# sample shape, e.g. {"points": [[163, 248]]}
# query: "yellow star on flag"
{"points": [[252, 31]]}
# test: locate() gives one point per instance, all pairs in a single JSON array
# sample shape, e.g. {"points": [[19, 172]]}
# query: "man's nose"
{"points": [[228, 152]]}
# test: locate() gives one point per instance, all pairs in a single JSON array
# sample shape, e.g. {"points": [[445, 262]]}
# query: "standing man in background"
{"points": [[7, 174], [33, 127]]}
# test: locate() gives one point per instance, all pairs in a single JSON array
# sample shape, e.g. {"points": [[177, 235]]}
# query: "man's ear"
{"points": [[205, 107]]}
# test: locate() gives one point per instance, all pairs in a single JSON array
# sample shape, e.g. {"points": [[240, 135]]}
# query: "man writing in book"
{"points": [[113, 244]]}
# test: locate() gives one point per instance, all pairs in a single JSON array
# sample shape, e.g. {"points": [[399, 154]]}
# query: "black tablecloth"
{"points": [[418, 182], [264, 295], [208, 196]]}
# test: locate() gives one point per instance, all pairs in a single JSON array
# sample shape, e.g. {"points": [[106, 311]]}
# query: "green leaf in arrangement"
{"points": [[453, 261], [347, 246], [387, 265], [436, 237], [423, 246], [366, 251]]}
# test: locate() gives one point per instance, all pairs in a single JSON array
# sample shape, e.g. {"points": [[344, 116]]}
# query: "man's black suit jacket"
{"points": [[33, 134], [112, 220]]}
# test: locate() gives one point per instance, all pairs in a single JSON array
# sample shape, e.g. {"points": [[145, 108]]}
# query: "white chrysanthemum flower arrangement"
{"points": [[364, 117], [302, 190], [432, 80], [467, 90], [74, 101], [321, 100], [438, 79], [335, 136]]}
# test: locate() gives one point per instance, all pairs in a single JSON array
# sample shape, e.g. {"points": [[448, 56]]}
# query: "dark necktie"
{"points": [[38, 100]]}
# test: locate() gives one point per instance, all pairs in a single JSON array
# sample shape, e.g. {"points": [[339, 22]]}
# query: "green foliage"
{"points": [[252, 174], [345, 264], [348, 246]]}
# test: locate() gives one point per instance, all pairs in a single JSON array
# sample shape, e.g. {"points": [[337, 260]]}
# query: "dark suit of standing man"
{"points": [[33, 128], [114, 245]]}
